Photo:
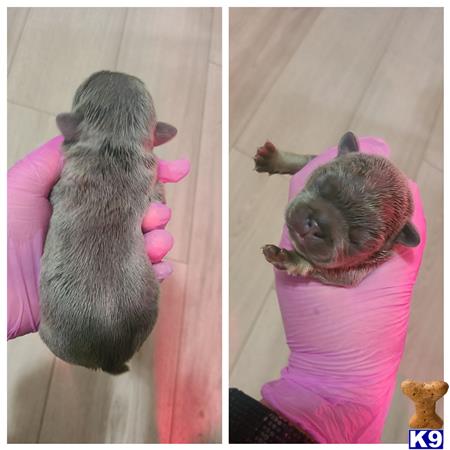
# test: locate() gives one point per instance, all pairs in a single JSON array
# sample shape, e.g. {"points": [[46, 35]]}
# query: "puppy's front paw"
{"points": [[266, 158], [287, 260], [299, 266], [276, 256]]}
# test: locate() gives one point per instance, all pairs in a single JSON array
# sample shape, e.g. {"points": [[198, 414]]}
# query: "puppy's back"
{"points": [[98, 291]]}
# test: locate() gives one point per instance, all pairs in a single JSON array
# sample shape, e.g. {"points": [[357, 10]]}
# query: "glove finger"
{"points": [[38, 171], [162, 270], [173, 171], [157, 244], [157, 216]]}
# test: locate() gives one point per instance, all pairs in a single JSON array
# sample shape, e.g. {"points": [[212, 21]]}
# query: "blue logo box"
{"points": [[426, 439]]}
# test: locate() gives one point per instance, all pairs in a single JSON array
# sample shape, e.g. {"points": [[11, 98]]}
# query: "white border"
{"points": [[225, 4], [446, 270], [3, 87]]}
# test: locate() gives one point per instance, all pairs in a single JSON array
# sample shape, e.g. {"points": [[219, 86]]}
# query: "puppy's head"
{"points": [[351, 209], [116, 105]]}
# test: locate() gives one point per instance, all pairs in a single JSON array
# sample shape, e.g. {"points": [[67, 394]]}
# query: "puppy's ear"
{"points": [[348, 144], [68, 124], [163, 133], [408, 236]]}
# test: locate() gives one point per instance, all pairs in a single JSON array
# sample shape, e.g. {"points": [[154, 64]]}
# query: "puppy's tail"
{"points": [[116, 370]]}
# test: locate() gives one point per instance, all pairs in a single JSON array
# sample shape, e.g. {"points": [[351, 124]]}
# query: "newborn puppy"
{"points": [[347, 219], [98, 292]]}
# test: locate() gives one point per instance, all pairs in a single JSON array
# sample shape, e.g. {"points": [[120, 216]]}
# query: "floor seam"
{"points": [[429, 137], [251, 329], [32, 108], [257, 106], [116, 62], [52, 371], [188, 253], [375, 69], [19, 40], [237, 149], [175, 391], [426, 161]]}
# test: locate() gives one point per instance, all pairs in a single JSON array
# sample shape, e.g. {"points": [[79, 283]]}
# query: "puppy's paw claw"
{"points": [[274, 254], [265, 158]]}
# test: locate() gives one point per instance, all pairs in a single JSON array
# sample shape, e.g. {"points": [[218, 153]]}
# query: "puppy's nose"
{"points": [[304, 224], [308, 226]]}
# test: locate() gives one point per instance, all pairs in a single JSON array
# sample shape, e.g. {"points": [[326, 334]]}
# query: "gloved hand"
{"points": [[345, 343], [29, 184]]}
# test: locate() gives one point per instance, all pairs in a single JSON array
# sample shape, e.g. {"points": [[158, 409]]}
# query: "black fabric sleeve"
{"points": [[251, 422]]}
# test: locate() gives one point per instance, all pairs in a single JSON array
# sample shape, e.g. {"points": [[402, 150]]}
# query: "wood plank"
{"points": [[27, 129], [311, 103], [197, 402], [17, 18], [59, 48], [215, 52], [167, 346], [168, 48], [400, 104], [256, 218], [434, 154], [262, 41], [84, 406], [30, 366], [265, 352], [425, 39]]}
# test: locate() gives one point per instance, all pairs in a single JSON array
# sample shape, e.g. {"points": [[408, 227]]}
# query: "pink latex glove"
{"points": [[345, 343], [29, 184]]}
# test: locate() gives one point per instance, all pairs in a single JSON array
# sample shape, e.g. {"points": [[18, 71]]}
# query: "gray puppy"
{"points": [[98, 291], [347, 219]]}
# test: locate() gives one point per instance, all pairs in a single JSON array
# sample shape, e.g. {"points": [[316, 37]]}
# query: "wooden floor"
{"points": [[302, 77], [173, 390]]}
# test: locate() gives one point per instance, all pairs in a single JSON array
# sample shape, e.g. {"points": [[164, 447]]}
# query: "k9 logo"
{"points": [[426, 438]]}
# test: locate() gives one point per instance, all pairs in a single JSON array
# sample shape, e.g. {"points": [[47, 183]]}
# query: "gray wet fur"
{"points": [[98, 291], [365, 206]]}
